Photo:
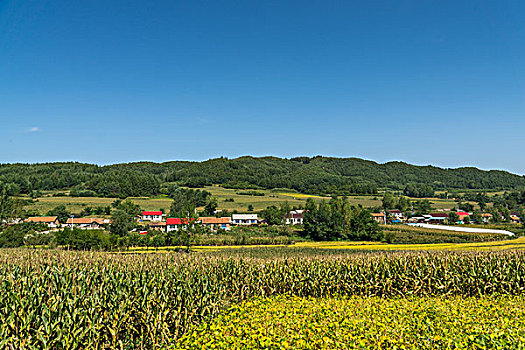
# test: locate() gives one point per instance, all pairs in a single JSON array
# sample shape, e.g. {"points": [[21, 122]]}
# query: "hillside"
{"points": [[317, 175]]}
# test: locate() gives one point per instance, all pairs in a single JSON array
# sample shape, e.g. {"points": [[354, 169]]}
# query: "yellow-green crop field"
{"points": [[511, 244], [365, 323], [262, 298]]}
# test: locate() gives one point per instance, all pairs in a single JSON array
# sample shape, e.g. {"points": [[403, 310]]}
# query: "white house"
{"points": [[86, 223], [295, 217], [175, 224], [245, 219], [152, 216]]}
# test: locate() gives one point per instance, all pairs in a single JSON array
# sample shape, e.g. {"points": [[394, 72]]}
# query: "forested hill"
{"points": [[317, 175]]}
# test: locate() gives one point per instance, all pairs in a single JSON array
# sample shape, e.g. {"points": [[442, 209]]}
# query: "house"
{"points": [[86, 223], [214, 223], [417, 219], [379, 217], [151, 216], [245, 219], [515, 219], [486, 217], [462, 216], [437, 218], [50, 221], [295, 217], [158, 226], [175, 224], [397, 215]]}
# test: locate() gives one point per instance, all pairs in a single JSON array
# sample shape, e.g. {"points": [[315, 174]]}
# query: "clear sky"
{"points": [[427, 82]]}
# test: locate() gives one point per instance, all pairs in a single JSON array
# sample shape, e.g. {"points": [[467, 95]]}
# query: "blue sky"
{"points": [[427, 82]]}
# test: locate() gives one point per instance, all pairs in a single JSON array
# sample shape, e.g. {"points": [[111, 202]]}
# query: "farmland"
{"points": [[227, 199], [59, 299], [361, 323]]}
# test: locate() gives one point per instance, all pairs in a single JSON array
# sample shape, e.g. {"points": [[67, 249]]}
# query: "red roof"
{"points": [[439, 215], [151, 213], [462, 213], [173, 221], [178, 221]]}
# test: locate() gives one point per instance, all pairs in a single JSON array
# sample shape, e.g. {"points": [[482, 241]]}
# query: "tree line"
{"points": [[317, 175]]}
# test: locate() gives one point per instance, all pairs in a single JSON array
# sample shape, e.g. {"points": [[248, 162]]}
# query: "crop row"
{"points": [[55, 300], [365, 323]]}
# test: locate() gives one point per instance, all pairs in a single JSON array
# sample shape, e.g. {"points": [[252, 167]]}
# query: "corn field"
{"points": [[92, 300]]}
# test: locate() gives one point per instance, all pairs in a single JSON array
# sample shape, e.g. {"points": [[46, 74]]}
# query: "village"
{"points": [[158, 220]]}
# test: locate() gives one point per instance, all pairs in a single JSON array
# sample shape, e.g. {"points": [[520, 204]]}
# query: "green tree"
{"points": [[61, 212], [250, 207], [388, 201], [130, 208], [496, 216], [338, 220], [476, 217], [211, 206], [10, 208], [273, 215], [122, 223], [453, 218], [422, 206]]}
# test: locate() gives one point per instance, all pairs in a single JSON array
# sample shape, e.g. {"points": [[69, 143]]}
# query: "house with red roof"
{"points": [[175, 224], [295, 217], [436, 218], [397, 215], [462, 215], [151, 216]]}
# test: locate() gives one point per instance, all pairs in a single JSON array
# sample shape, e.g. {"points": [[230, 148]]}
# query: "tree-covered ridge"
{"points": [[317, 175]]}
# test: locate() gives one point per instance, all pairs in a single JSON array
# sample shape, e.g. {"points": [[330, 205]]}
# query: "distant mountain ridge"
{"points": [[316, 175]]}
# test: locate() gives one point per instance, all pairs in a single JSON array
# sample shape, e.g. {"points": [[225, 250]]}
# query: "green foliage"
{"points": [[61, 212], [78, 239], [10, 207], [395, 202], [122, 223], [130, 208], [211, 206], [251, 193], [16, 235], [317, 175], [453, 218], [97, 300], [364, 323], [186, 200], [422, 207], [337, 220], [419, 190], [273, 215]]}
